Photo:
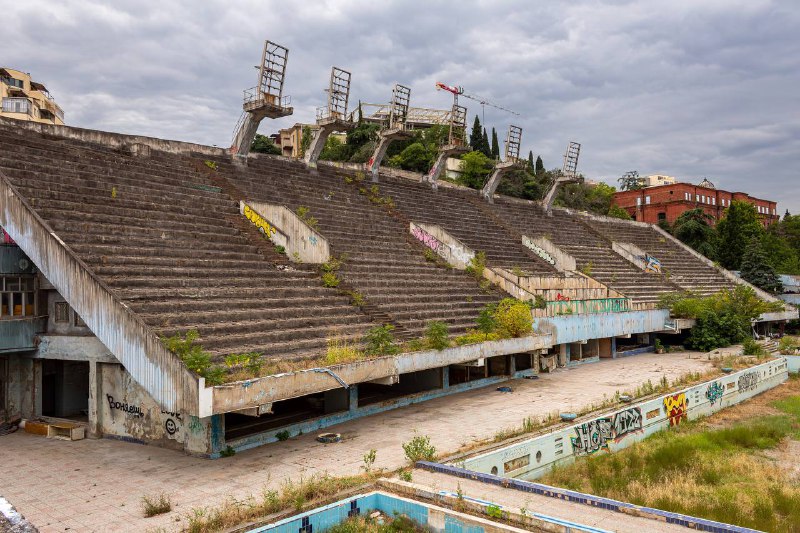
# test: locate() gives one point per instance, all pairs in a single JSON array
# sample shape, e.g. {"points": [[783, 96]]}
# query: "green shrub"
{"points": [[751, 347], [227, 452], [280, 249], [486, 320], [305, 215], [513, 318], [194, 357], [419, 448], [430, 255], [436, 335], [474, 337], [282, 435], [494, 511], [405, 475], [380, 341], [356, 298], [539, 302], [476, 265], [330, 280], [157, 505], [787, 345]]}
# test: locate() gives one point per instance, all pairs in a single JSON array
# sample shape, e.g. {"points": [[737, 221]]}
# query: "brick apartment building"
{"points": [[667, 202]]}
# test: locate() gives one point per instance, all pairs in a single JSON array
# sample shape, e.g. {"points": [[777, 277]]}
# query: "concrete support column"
{"points": [[321, 135], [445, 377], [353, 390], [377, 156], [613, 347], [512, 364], [494, 180], [95, 396], [564, 356]]}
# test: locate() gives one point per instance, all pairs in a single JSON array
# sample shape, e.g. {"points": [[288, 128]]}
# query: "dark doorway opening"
{"points": [[65, 389]]}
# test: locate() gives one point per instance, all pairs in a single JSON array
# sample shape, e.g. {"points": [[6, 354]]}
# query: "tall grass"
{"points": [[713, 474]]}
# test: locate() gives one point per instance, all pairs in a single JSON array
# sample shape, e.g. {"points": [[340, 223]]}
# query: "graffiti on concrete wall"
{"points": [[132, 410], [259, 222], [6, 237], [748, 381], [595, 435], [427, 239], [173, 422], [676, 407], [653, 264], [538, 250], [626, 422], [592, 436], [714, 392], [561, 298]]}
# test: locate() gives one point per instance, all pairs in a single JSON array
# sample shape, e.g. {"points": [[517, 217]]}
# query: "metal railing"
{"points": [[17, 105], [253, 94], [585, 307]]}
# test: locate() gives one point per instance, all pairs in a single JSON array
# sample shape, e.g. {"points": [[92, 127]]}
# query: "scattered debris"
{"points": [[7, 428], [568, 417], [328, 438], [505, 389]]}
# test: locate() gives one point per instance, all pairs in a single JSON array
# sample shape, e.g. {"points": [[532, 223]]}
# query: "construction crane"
{"points": [[459, 91]]}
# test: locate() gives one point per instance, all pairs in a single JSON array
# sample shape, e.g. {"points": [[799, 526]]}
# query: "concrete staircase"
{"points": [[592, 252], [158, 233], [382, 261], [680, 266]]}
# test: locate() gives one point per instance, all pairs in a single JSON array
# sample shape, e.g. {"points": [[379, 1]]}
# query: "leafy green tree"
{"points": [[305, 140], [736, 229], [693, 227], [335, 150], [539, 166], [617, 212], [475, 137], [475, 168], [495, 146], [264, 145], [757, 270], [784, 258], [415, 157], [630, 181]]}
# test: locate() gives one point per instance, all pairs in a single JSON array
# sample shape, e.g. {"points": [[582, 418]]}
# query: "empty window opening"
{"points": [[65, 389]]}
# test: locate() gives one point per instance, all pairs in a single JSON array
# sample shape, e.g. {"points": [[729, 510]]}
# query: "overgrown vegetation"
{"points": [[291, 494], [330, 269], [341, 350], [365, 524], [373, 194], [249, 364], [156, 505], [210, 164], [194, 357], [788, 345], [436, 335], [722, 319], [380, 341], [419, 448], [305, 215], [501, 320], [477, 265], [719, 474]]}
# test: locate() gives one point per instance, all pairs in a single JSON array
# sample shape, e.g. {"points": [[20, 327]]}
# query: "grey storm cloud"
{"points": [[686, 88]]}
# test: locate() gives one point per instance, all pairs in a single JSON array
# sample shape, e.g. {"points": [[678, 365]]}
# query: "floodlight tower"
{"points": [[512, 162], [265, 100], [456, 140], [333, 117], [569, 174], [395, 128]]}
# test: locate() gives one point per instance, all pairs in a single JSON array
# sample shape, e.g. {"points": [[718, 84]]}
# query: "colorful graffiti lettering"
{"points": [[561, 298], [676, 407], [653, 264], [627, 421], [132, 410], [313, 240], [748, 381], [592, 436], [595, 435], [194, 424], [426, 238], [6, 238], [538, 251], [714, 392], [262, 225]]}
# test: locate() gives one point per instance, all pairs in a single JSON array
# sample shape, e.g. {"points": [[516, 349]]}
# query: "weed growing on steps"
{"points": [[194, 357], [211, 164], [250, 362], [356, 298], [330, 280], [430, 255], [305, 215], [405, 475], [477, 265], [380, 341], [156, 505], [587, 268], [329, 271], [436, 335], [341, 351], [280, 249], [369, 459]]}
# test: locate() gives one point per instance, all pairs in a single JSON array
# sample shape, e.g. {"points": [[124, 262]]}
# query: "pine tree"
{"points": [[475, 138], [495, 146], [757, 270], [530, 161], [539, 166], [739, 225], [485, 146]]}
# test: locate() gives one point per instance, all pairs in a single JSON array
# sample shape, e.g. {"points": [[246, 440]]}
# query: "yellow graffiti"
{"points": [[262, 225], [676, 407]]}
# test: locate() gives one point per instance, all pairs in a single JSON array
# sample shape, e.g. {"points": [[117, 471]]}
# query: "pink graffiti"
{"points": [[561, 298], [6, 238], [427, 239]]}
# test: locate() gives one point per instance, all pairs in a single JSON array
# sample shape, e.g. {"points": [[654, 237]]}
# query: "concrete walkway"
{"points": [[97, 485]]}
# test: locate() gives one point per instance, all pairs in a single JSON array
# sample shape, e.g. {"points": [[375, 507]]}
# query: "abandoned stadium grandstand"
{"points": [[116, 241]]}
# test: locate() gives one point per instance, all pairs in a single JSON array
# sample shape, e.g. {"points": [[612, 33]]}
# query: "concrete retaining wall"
{"points": [[283, 227], [619, 429], [445, 245], [550, 253], [576, 328]]}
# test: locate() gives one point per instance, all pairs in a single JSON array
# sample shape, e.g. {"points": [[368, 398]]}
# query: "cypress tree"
{"points": [[475, 139], [485, 147], [539, 166], [495, 146]]}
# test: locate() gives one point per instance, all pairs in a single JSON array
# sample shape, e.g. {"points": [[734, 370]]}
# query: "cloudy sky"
{"points": [[685, 88]]}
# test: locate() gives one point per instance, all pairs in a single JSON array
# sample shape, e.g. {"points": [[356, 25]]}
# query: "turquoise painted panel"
{"points": [[454, 525], [576, 328]]}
